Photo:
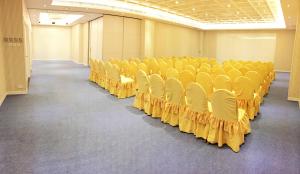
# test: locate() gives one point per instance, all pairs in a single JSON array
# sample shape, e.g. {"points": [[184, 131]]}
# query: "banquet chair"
{"points": [[143, 67], [108, 72], [172, 73], [222, 82], [92, 70], [195, 117], [186, 77], [256, 80], [178, 65], [204, 69], [157, 91], [175, 101], [101, 74], [206, 82], [228, 124], [163, 67], [153, 66], [142, 90], [233, 74], [245, 93], [190, 68]]}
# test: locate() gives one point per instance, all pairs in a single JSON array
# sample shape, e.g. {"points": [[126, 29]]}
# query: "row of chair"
{"points": [[218, 120], [109, 77]]}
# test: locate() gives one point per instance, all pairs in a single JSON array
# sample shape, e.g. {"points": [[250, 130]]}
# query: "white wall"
{"points": [[96, 38], [246, 46], [121, 37], [265, 45], [52, 43], [174, 40]]}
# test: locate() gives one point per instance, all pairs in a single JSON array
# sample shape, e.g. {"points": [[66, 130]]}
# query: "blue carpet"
{"points": [[67, 124]]}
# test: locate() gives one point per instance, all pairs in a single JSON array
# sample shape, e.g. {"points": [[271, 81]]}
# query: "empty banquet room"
{"points": [[149, 86]]}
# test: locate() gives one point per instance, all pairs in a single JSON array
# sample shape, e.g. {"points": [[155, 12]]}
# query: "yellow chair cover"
{"points": [[222, 82], [179, 65], [204, 69], [228, 124], [190, 68], [101, 77], [172, 73], [108, 71], [246, 98], [186, 77], [157, 91], [120, 86], [154, 66], [256, 80], [142, 93], [143, 67], [175, 102], [163, 69], [206, 82], [195, 117], [92, 70], [233, 74]]}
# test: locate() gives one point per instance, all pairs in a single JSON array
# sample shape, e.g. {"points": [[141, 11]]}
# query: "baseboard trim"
{"points": [[2, 98], [294, 99], [17, 92], [283, 71]]}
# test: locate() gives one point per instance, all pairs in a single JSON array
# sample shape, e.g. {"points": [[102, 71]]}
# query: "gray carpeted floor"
{"points": [[68, 125]]}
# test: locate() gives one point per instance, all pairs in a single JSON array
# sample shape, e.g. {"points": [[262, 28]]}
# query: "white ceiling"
{"points": [[248, 10]]}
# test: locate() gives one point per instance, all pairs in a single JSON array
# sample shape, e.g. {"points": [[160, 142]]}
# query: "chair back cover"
{"points": [[204, 69], [205, 81], [142, 81], [196, 98], [174, 91], [157, 85], [179, 65], [244, 88], [115, 73], [172, 73], [255, 78], [224, 105], [233, 74], [186, 77], [143, 67], [222, 82], [191, 68]]}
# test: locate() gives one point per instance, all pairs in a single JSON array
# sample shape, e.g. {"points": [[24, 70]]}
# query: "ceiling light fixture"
{"points": [[156, 13]]}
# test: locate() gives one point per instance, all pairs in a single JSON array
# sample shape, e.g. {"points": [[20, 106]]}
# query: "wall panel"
{"points": [[264, 45], [173, 40], [294, 84], [96, 38], [132, 38], [13, 52], [112, 37], [2, 62], [52, 43]]}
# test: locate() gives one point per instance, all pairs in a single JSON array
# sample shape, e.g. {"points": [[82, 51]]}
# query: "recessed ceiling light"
{"points": [[176, 2], [206, 14], [193, 9], [288, 5], [237, 12], [289, 17], [228, 5], [157, 13], [58, 18]]}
